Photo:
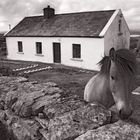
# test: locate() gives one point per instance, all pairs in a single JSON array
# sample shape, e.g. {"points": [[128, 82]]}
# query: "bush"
{"points": [[6, 71]]}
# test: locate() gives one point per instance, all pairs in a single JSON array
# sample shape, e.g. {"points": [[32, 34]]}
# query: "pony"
{"points": [[114, 82]]}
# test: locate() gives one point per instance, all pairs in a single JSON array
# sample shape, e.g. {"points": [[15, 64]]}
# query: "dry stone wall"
{"points": [[45, 112]]}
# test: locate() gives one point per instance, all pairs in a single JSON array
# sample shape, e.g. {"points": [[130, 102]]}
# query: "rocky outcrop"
{"points": [[44, 111]]}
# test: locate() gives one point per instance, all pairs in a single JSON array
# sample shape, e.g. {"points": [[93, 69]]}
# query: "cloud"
{"points": [[12, 11]]}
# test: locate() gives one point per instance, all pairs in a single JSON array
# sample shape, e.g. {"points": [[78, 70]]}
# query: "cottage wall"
{"points": [[114, 38], [92, 50]]}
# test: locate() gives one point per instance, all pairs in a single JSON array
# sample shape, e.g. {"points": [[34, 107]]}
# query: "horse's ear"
{"points": [[112, 54]]}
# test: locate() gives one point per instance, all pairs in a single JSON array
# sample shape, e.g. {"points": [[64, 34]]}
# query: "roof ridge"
{"points": [[86, 12], [33, 16], [74, 13]]}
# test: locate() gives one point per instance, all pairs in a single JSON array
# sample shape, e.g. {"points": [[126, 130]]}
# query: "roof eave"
{"points": [[53, 36], [104, 30], [6, 34]]}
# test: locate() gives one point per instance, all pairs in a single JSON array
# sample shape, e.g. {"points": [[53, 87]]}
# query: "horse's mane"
{"points": [[105, 64], [124, 59]]}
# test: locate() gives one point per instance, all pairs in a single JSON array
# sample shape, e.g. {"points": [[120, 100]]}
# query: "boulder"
{"points": [[120, 130], [27, 98], [136, 109], [22, 128], [76, 122], [44, 101], [62, 106]]}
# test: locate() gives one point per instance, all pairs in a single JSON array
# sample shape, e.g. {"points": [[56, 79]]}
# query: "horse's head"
{"points": [[121, 75]]}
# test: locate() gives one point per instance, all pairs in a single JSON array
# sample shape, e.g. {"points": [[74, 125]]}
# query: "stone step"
{"points": [[37, 70], [25, 68]]}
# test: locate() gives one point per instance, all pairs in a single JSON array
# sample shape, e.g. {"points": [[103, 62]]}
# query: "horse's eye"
{"points": [[112, 77]]}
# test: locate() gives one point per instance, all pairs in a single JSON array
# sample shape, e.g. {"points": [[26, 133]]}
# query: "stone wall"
{"points": [[45, 112]]}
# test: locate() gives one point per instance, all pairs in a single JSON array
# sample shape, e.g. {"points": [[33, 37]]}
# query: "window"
{"points": [[20, 46], [38, 47], [120, 22], [76, 50]]}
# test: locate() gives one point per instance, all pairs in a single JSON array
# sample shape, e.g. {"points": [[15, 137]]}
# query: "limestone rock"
{"points": [[76, 122], [2, 115], [63, 106], [45, 100], [136, 109], [6, 133], [26, 98], [43, 122], [22, 128], [118, 131]]}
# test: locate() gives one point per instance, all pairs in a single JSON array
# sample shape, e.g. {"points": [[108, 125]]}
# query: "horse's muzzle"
{"points": [[125, 115]]}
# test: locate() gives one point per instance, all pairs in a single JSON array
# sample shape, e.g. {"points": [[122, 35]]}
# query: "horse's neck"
{"points": [[104, 77], [98, 90]]}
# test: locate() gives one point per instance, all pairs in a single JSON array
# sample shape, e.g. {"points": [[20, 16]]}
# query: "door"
{"points": [[56, 53]]}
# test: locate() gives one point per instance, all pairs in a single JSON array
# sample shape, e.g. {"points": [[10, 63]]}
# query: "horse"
{"points": [[114, 82]]}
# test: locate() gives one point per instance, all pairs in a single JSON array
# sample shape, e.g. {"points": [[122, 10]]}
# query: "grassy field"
{"points": [[71, 80]]}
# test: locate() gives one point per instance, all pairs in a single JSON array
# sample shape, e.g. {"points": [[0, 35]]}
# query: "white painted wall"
{"points": [[92, 50], [113, 39]]}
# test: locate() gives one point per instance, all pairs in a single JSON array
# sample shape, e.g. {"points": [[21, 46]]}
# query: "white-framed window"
{"points": [[38, 47], [20, 46], [76, 49]]}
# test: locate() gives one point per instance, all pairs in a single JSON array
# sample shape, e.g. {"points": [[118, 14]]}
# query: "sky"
{"points": [[13, 11]]}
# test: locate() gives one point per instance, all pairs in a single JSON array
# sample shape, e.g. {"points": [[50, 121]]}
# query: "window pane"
{"points": [[76, 51], [20, 47], [120, 22], [38, 47]]}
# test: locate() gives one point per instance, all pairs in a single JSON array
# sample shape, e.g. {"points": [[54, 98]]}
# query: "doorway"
{"points": [[56, 53]]}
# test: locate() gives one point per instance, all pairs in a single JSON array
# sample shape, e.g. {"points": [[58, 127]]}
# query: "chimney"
{"points": [[48, 12]]}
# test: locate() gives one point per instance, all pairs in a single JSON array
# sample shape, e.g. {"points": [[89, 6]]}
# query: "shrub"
{"points": [[6, 71]]}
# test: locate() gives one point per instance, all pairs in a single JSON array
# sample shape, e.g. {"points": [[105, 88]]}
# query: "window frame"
{"points": [[120, 25], [39, 48], [20, 47], [76, 51]]}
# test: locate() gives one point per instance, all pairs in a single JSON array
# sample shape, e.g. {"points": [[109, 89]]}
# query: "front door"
{"points": [[56, 53]]}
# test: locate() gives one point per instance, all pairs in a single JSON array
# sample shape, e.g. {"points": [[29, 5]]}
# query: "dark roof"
{"points": [[82, 24]]}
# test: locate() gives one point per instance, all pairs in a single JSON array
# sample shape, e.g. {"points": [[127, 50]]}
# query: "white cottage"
{"points": [[73, 39]]}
